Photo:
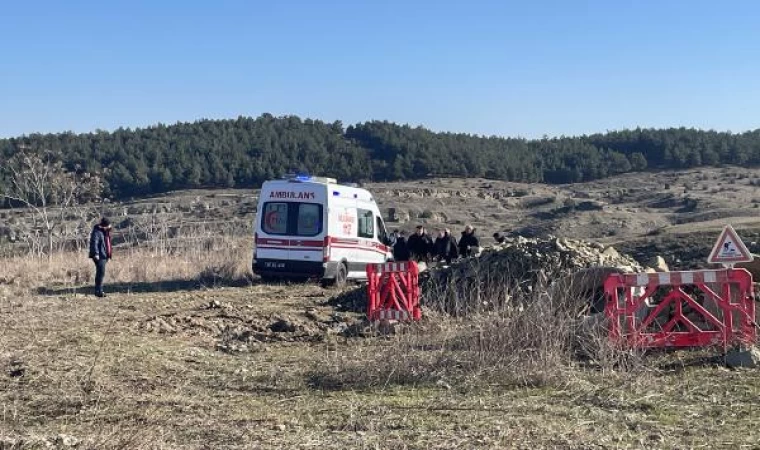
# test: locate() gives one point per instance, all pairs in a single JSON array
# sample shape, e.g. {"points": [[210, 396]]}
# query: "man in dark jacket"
{"points": [[445, 247], [100, 252], [392, 238], [468, 243], [420, 245], [400, 248], [454, 250]]}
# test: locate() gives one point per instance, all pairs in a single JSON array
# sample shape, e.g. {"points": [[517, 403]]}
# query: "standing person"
{"points": [[445, 248], [100, 252], [392, 239], [468, 243], [400, 248], [454, 248], [441, 246], [420, 245]]}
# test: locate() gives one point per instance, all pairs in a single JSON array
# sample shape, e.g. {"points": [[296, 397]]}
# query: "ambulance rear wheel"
{"points": [[341, 276]]}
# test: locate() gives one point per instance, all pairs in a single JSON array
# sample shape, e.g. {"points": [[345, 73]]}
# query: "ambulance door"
{"points": [[272, 243], [382, 237], [307, 241]]}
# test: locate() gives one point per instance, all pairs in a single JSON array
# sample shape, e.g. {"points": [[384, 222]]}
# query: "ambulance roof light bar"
{"points": [[301, 177]]}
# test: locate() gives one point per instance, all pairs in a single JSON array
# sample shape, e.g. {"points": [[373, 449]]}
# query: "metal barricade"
{"points": [[393, 291], [681, 309]]}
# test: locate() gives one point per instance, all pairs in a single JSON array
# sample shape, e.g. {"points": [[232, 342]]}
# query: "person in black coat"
{"points": [[454, 249], [420, 245], [392, 238], [400, 248], [445, 247], [100, 252], [468, 243]]}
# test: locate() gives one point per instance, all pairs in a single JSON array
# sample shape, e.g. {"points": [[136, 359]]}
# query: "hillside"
{"points": [[243, 152], [676, 214]]}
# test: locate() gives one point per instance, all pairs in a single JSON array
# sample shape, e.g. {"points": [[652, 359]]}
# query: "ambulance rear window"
{"points": [[309, 218], [292, 219], [275, 219]]}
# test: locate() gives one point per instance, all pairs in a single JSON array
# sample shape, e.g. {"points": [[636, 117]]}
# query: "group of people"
{"points": [[420, 246]]}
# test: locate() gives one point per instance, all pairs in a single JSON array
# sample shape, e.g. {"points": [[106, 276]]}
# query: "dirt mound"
{"points": [[528, 261], [235, 328], [516, 268]]}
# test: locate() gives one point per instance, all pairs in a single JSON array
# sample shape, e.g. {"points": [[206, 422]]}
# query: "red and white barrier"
{"points": [[675, 278], [393, 291], [721, 302]]}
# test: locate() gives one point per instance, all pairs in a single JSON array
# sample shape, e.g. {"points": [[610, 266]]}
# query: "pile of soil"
{"points": [[515, 270]]}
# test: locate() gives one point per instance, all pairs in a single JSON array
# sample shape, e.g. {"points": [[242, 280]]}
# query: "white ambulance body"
{"points": [[310, 227]]}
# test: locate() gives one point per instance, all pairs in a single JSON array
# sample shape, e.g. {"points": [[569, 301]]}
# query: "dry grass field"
{"points": [[203, 369], [190, 351]]}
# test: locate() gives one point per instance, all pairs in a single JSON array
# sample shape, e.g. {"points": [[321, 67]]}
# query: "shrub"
{"points": [[490, 335], [427, 214]]}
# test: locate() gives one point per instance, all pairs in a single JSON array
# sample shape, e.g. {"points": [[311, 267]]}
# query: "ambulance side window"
{"points": [[366, 224]]}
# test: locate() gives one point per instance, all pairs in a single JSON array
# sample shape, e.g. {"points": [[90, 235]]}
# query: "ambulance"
{"points": [[313, 227]]}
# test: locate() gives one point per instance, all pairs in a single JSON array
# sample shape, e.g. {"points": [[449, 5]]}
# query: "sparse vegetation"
{"points": [[492, 334], [206, 261], [80, 368], [427, 214], [39, 182]]}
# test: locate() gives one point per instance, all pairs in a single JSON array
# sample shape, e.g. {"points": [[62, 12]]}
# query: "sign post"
{"points": [[729, 249]]}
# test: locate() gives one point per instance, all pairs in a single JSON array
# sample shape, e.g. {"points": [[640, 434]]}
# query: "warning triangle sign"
{"points": [[729, 249]]}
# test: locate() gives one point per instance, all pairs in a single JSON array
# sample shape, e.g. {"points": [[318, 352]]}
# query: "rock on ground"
{"points": [[65, 440], [748, 357], [659, 265]]}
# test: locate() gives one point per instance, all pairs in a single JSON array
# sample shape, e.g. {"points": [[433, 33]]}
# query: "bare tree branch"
{"points": [[40, 182]]}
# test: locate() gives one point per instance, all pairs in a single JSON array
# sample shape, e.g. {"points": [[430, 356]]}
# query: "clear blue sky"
{"points": [[493, 67]]}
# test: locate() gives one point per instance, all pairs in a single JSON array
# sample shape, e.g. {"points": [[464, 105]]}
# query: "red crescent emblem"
{"points": [[271, 219]]}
